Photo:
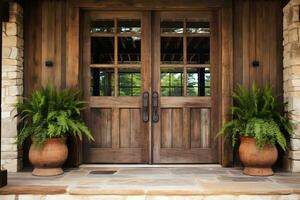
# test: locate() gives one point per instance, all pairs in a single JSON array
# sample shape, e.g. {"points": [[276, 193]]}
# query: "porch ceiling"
{"points": [[203, 180]]}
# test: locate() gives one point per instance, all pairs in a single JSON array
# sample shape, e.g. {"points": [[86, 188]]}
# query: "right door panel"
{"points": [[185, 73]]}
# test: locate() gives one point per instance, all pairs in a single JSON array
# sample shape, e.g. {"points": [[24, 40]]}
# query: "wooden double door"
{"points": [[152, 83]]}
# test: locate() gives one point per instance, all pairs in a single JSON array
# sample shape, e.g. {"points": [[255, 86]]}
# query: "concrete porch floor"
{"points": [[196, 181]]}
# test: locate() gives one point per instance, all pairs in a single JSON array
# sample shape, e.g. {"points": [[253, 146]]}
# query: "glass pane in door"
{"points": [[171, 82]]}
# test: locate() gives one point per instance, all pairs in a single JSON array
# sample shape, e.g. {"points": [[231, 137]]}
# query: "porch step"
{"points": [[149, 197], [153, 183]]}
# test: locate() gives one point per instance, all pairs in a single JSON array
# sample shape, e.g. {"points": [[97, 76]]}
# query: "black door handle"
{"points": [[155, 111], [145, 107]]}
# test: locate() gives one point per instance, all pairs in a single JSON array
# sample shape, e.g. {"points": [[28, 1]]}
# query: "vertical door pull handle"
{"points": [[145, 107], [155, 110]]}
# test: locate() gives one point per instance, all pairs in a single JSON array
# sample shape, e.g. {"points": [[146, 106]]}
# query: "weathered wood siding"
{"points": [[45, 40], [258, 37]]}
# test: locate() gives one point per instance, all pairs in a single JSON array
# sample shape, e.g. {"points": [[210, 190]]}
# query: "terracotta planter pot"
{"points": [[48, 159], [257, 162]]}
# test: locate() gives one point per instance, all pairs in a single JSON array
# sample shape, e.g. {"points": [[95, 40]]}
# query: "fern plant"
{"points": [[256, 114], [50, 113]]}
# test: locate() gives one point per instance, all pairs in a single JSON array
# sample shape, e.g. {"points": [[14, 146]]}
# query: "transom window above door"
{"points": [[185, 57], [115, 62]]}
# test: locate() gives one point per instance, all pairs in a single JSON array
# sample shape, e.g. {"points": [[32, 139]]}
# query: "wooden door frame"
{"points": [[226, 61]]}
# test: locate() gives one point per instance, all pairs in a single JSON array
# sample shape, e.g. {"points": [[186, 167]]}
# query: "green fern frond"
{"points": [[51, 113], [256, 114]]}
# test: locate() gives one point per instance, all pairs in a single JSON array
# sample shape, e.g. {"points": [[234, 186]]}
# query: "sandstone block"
{"points": [[295, 165], [12, 75], [14, 54], [294, 54], [11, 99], [293, 35], [11, 29], [5, 115], [10, 68], [9, 147], [295, 10], [295, 155], [12, 165], [6, 52], [15, 90], [4, 75], [5, 140], [15, 8], [9, 128], [9, 155], [295, 144], [12, 62]]}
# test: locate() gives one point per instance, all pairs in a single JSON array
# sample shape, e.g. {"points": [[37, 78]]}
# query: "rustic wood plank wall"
{"points": [[258, 37], [45, 40]]}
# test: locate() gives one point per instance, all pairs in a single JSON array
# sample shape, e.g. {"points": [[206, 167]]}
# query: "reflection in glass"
{"points": [[171, 26], [198, 82], [102, 50], [102, 82], [129, 81], [198, 50], [171, 50], [171, 82], [102, 26], [197, 26], [129, 26], [129, 50]]}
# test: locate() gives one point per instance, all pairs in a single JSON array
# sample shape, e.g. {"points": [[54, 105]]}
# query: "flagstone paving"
{"points": [[198, 180]]}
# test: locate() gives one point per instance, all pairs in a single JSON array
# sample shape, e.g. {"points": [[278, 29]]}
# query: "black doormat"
{"points": [[102, 172]]}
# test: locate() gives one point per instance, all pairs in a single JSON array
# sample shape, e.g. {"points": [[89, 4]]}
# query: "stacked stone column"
{"points": [[12, 86], [291, 76]]}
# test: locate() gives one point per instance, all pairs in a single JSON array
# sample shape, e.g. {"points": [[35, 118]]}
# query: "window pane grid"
{"points": [[125, 50], [195, 45]]}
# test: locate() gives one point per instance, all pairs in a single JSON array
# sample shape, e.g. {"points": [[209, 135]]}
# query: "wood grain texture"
{"points": [[196, 128], [32, 190], [177, 124], [250, 30], [258, 36], [101, 127], [72, 69], [151, 5], [205, 128], [227, 78]]}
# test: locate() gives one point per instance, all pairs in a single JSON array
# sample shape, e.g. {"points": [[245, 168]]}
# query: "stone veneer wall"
{"points": [[12, 86], [291, 76]]}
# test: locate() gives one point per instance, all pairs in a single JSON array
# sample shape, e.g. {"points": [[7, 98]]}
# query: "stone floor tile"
{"points": [[289, 197], [174, 198], [31, 197], [64, 197], [239, 188], [144, 171], [258, 197], [243, 179], [206, 171], [220, 197], [8, 197]]}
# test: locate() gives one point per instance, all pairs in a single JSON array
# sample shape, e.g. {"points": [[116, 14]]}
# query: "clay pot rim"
{"points": [[50, 139], [253, 138]]}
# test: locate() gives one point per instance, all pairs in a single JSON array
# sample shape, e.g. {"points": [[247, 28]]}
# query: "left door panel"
{"points": [[114, 76]]}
